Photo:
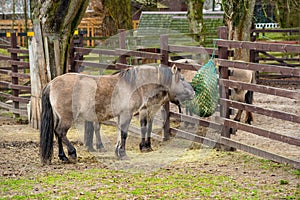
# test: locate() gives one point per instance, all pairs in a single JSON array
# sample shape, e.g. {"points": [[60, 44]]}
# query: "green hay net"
{"points": [[205, 84]]}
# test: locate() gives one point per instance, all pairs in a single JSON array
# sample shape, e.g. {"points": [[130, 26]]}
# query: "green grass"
{"points": [[188, 182]]}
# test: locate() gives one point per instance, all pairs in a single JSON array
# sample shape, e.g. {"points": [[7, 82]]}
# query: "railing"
{"points": [[15, 78]]}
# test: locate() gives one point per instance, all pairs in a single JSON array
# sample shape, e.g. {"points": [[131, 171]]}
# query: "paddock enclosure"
{"points": [[274, 135]]}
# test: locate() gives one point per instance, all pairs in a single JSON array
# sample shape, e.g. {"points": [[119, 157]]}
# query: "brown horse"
{"points": [[73, 97]]}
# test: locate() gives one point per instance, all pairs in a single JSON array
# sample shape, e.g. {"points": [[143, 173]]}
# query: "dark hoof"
{"points": [[73, 156], [232, 131], [146, 149], [64, 159], [121, 154], [102, 150], [91, 149]]}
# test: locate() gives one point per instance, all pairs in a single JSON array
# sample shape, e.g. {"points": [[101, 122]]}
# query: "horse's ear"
{"points": [[174, 69]]}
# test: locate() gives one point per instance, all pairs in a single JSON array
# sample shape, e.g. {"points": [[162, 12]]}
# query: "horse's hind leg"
{"points": [[88, 135], [71, 149], [61, 154], [99, 144], [123, 125]]}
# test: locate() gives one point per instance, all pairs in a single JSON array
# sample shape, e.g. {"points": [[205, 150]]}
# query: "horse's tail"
{"points": [[46, 129]]}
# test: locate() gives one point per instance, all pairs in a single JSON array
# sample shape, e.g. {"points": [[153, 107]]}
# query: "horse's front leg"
{"points": [[123, 125], [143, 124], [238, 119], [149, 131]]}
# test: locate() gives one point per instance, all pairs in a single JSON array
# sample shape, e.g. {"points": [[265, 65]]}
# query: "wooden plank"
{"points": [[122, 66], [196, 121], [261, 46], [235, 144], [292, 94], [19, 75], [184, 66], [4, 57], [193, 137], [95, 65], [20, 87], [258, 67], [87, 51], [5, 84], [4, 46], [260, 152], [263, 111], [4, 71], [142, 54], [14, 50], [262, 132], [19, 63], [13, 74], [14, 98], [199, 50], [5, 95], [22, 112]]}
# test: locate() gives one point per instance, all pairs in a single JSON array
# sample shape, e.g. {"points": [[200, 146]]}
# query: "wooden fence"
{"points": [[224, 122], [15, 77], [221, 122], [289, 59]]}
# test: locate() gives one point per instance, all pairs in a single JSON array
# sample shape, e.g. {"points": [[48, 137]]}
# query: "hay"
{"points": [[205, 84]]}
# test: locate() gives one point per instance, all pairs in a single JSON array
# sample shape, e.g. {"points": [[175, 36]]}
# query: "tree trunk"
{"points": [[54, 23], [195, 17], [117, 16], [287, 13], [239, 21]]}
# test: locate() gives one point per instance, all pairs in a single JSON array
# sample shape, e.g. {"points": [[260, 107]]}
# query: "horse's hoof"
{"points": [[73, 157], [91, 149], [121, 154], [232, 131], [146, 149], [123, 158], [102, 150], [64, 159]]}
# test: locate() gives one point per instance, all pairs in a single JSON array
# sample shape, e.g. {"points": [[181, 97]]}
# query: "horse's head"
{"points": [[180, 89]]}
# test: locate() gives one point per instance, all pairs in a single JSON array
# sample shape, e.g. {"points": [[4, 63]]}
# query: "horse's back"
{"points": [[72, 94]]}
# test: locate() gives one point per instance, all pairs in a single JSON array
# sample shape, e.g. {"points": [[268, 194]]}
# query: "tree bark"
{"points": [[117, 16], [54, 23], [239, 20], [195, 17], [287, 13]]}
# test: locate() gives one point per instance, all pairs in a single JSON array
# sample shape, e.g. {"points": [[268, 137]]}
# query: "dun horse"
{"points": [[73, 97]]}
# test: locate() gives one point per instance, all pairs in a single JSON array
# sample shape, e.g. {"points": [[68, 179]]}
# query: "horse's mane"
{"points": [[163, 74]]}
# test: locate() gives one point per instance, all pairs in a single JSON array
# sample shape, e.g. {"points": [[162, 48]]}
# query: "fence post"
{"points": [[73, 67], [224, 91], [122, 44], [254, 55], [14, 69], [165, 61]]}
